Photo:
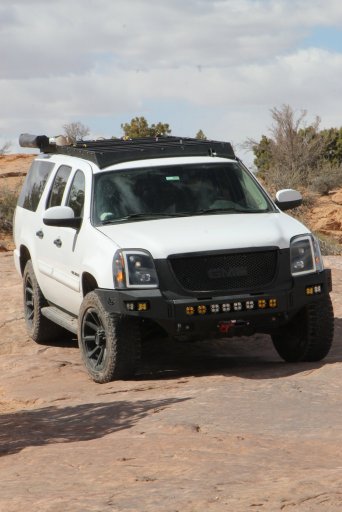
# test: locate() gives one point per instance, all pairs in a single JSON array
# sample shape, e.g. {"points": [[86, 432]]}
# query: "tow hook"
{"points": [[231, 328], [225, 327]]}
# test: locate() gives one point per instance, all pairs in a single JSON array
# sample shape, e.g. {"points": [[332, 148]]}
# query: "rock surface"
{"points": [[222, 426]]}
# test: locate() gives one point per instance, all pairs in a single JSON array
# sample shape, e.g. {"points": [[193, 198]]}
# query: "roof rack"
{"points": [[107, 152]]}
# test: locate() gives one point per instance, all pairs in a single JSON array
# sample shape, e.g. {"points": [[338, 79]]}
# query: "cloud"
{"points": [[50, 39], [223, 62]]}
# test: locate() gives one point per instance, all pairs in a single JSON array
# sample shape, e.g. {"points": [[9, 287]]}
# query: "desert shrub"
{"points": [[324, 183], [327, 177], [8, 201], [329, 246]]}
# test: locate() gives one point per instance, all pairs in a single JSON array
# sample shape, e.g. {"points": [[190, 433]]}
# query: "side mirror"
{"points": [[61, 216], [288, 198]]}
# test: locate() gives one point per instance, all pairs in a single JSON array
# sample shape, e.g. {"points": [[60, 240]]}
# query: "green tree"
{"points": [[333, 151], [201, 135], [139, 127], [262, 154]]}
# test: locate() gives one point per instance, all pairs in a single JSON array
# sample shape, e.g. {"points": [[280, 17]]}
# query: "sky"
{"points": [[215, 65]]}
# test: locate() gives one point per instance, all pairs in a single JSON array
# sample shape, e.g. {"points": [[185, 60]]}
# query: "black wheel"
{"points": [[39, 328], [309, 335], [110, 344]]}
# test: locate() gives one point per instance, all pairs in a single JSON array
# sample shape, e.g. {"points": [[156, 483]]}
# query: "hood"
{"points": [[163, 237]]}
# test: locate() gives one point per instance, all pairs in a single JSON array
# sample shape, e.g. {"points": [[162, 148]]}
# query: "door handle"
{"points": [[40, 234], [58, 242]]}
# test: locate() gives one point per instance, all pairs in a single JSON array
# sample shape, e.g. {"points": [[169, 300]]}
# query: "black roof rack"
{"points": [[112, 151]]}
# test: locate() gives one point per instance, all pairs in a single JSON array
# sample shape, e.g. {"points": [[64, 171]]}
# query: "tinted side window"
{"points": [[58, 186], [76, 194], [34, 184]]}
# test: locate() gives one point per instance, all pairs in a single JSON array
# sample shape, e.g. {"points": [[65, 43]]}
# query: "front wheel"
{"points": [[110, 343], [309, 335]]}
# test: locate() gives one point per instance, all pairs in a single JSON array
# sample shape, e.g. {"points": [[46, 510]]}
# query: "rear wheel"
{"points": [[110, 343], [309, 335], [39, 328]]}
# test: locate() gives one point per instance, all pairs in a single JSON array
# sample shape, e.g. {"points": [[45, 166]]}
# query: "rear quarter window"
{"points": [[34, 184]]}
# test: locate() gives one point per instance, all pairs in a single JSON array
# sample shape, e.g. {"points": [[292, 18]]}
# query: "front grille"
{"points": [[227, 271]]}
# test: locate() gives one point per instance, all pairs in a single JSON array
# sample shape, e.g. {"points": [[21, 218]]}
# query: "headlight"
{"points": [[134, 269], [305, 255]]}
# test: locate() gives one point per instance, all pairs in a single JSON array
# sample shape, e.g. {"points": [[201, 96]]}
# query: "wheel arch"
{"points": [[24, 257], [89, 283]]}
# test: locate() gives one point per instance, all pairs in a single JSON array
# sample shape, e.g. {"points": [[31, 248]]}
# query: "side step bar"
{"points": [[59, 317]]}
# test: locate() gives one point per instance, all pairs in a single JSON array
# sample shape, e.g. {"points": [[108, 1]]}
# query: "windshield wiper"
{"points": [[142, 216], [210, 211]]}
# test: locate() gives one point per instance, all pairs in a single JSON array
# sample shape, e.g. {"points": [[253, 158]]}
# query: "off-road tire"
{"points": [[309, 335], [110, 344], [39, 328]]}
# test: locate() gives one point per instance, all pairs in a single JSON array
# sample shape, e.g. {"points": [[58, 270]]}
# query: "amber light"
{"points": [[120, 277], [137, 306], [313, 290], [201, 310], [227, 307]]}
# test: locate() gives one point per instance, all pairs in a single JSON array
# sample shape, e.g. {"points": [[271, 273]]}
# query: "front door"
{"points": [[61, 255]]}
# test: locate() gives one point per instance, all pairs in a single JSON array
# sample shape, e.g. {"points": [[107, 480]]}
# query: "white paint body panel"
{"points": [[206, 233]]}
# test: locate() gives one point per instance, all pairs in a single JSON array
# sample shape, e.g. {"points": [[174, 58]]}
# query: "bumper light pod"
{"points": [[261, 304], [137, 306], [190, 310], [313, 290], [201, 310]]}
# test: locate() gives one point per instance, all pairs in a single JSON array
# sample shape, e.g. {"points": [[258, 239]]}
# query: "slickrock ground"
{"points": [[214, 427]]}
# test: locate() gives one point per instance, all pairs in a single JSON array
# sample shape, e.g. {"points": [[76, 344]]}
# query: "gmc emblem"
{"points": [[219, 273]]}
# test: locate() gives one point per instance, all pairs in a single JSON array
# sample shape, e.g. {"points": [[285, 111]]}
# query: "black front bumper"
{"points": [[262, 312]]}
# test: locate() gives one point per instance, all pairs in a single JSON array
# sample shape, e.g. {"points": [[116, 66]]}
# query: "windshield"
{"points": [[182, 190]]}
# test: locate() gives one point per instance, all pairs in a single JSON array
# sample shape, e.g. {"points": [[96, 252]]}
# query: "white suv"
{"points": [[117, 237]]}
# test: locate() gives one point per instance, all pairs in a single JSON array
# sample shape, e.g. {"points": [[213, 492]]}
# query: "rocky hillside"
{"points": [[13, 169], [326, 215]]}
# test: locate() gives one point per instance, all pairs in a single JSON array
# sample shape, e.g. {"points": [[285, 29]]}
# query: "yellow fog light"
{"points": [[189, 310], [143, 306], [309, 290], [272, 303], [261, 303], [201, 310]]}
